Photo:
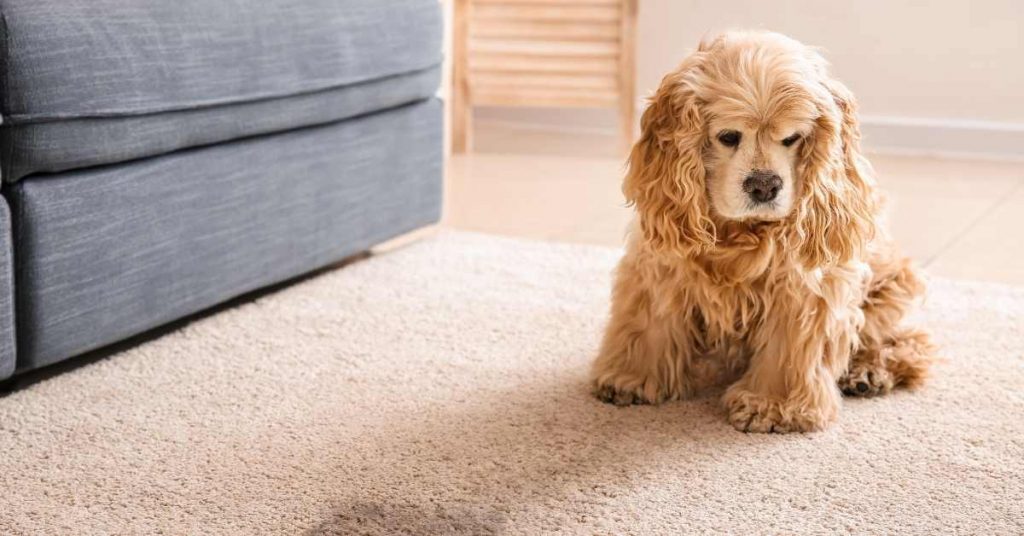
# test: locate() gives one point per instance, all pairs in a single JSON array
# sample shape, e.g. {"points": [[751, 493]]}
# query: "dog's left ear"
{"points": [[837, 209]]}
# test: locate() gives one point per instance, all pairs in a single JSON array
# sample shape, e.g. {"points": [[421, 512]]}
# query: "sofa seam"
{"points": [[47, 175], [24, 119]]}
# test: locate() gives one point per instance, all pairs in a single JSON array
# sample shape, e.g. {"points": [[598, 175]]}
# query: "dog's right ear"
{"points": [[665, 181], [836, 217]]}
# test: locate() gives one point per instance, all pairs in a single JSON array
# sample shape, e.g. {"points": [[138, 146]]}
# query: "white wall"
{"points": [[945, 59], [943, 76]]}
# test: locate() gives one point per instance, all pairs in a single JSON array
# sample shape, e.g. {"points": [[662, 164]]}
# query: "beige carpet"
{"points": [[440, 389]]}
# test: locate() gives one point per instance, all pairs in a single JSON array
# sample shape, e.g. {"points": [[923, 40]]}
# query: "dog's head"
{"points": [[751, 129]]}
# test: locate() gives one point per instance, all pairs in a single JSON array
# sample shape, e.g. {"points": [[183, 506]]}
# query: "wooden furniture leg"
{"points": [[461, 113], [627, 73]]}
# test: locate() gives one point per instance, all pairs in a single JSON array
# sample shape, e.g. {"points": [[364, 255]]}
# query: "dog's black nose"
{"points": [[762, 186]]}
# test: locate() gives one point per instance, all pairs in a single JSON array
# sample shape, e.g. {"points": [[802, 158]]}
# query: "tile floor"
{"points": [[959, 218]]}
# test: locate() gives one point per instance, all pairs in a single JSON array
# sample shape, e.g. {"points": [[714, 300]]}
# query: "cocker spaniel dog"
{"points": [[757, 258]]}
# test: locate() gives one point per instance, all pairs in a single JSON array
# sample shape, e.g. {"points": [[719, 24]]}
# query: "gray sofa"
{"points": [[160, 157]]}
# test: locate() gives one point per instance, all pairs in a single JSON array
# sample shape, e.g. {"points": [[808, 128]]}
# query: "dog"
{"points": [[758, 257]]}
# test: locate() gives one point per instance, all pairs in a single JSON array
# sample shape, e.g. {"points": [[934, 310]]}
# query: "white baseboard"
{"points": [[947, 138], [951, 138]]}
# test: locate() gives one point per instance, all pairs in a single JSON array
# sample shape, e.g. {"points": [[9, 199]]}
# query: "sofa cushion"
{"points": [[105, 253], [72, 60]]}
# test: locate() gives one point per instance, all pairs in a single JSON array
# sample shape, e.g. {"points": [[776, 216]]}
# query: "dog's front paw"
{"points": [[620, 397], [749, 412], [865, 380], [626, 391]]}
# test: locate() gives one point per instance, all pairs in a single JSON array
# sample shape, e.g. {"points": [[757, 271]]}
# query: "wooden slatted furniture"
{"points": [[542, 53]]}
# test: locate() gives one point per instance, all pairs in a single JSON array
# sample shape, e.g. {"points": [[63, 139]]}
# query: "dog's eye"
{"points": [[729, 138], [791, 140]]}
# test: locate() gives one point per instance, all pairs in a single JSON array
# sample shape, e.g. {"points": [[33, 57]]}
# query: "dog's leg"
{"points": [[799, 352], [890, 356], [639, 365], [647, 355]]}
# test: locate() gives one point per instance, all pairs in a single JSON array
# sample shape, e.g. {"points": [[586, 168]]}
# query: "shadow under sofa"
{"points": [[224, 149]]}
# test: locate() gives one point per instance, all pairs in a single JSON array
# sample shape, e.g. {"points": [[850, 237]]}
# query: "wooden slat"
{"points": [[575, 31], [545, 98], [546, 12], [515, 63], [546, 53], [534, 47], [484, 80]]}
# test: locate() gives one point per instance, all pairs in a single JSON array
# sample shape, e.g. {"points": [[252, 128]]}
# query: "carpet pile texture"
{"points": [[441, 389]]}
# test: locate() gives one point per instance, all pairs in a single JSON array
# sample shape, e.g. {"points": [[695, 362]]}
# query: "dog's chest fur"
{"points": [[719, 317], [731, 305]]}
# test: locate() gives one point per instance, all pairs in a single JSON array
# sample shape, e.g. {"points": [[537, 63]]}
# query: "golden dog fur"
{"points": [[791, 304]]}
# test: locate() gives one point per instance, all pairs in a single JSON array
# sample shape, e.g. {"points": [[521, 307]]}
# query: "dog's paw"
{"points": [[865, 380], [749, 412], [902, 361], [621, 397]]}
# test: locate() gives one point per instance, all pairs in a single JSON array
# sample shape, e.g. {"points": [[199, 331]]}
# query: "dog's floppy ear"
{"points": [[666, 170], [837, 209]]}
